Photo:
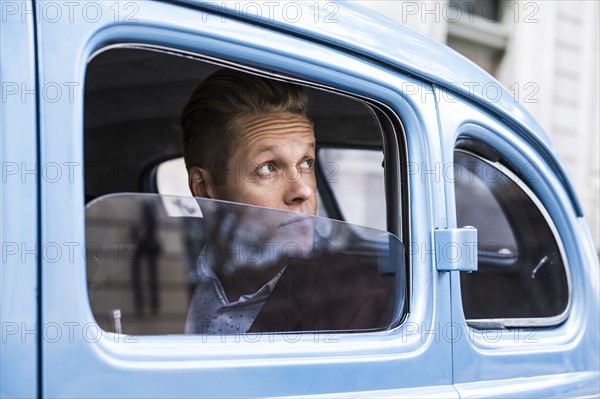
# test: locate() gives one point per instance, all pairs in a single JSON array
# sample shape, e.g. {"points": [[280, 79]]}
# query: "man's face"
{"points": [[272, 164]]}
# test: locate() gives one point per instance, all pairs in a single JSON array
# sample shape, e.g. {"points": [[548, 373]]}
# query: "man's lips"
{"points": [[296, 220]]}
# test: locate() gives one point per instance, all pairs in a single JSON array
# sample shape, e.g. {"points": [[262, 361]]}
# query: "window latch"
{"points": [[456, 249]]}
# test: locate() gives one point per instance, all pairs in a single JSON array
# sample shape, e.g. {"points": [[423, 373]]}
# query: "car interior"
{"points": [[132, 103]]}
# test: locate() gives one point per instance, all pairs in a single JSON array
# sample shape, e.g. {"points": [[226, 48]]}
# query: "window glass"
{"points": [[521, 274], [168, 265]]}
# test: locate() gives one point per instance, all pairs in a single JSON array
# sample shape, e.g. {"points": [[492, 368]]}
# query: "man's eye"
{"points": [[266, 169], [308, 164]]}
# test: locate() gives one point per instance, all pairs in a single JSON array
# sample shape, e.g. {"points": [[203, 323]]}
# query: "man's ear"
{"points": [[200, 182]]}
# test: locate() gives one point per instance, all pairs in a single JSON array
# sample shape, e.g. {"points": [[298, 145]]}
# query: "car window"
{"points": [[521, 276], [150, 284], [153, 263]]}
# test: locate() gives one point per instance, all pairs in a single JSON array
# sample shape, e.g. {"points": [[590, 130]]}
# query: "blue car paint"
{"points": [[399, 362], [18, 213], [187, 366], [540, 354]]}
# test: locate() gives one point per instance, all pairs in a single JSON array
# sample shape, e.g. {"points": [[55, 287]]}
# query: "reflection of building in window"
{"points": [[349, 278], [146, 254]]}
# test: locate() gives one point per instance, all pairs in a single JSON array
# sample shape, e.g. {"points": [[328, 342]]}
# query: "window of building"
{"points": [[475, 30], [522, 279], [487, 9]]}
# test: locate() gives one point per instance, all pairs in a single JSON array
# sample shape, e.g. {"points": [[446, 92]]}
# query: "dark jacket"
{"points": [[335, 292]]}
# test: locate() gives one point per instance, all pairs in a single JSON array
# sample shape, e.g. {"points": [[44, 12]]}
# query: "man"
{"points": [[248, 140]]}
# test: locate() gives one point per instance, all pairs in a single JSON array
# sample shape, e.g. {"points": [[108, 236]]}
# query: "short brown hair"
{"points": [[208, 119]]}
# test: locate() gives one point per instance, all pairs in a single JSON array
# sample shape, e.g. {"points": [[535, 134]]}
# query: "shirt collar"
{"points": [[206, 273]]}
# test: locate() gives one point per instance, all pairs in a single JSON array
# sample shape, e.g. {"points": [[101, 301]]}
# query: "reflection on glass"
{"points": [[246, 269], [147, 250]]}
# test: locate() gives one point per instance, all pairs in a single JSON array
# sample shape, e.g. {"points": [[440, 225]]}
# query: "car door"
{"points": [[528, 324], [19, 202], [411, 357]]}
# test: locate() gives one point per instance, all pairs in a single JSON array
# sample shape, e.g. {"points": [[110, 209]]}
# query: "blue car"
{"points": [[431, 179]]}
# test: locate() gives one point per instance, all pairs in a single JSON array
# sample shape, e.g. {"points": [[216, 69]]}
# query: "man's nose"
{"points": [[299, 186]]}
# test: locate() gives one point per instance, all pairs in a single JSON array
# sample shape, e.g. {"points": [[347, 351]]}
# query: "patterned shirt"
{"points": [[211, 312]]}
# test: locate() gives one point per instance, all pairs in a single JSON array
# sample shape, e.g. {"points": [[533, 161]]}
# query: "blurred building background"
{"points": [[546, 53]]}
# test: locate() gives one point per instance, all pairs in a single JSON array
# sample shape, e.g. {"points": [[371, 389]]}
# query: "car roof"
{"points": [[365, 32], [360, 30]]}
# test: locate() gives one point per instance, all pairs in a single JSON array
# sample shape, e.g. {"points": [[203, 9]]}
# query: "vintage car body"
{"points": [[50, 346]]}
